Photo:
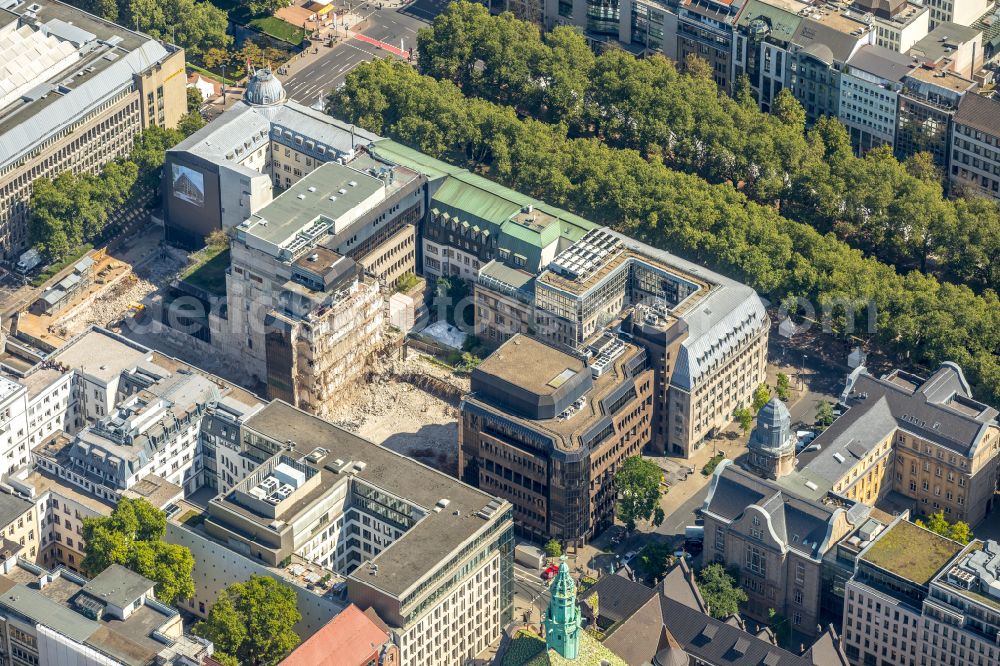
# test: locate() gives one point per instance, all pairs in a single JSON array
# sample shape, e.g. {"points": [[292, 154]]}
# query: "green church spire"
{"points": [[562, 620]]}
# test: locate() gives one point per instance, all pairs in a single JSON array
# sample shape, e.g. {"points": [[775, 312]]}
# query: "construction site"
{"points": [[402, 399]]}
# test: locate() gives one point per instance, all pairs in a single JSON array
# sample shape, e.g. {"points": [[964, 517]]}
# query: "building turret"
{"points": [[562, 620], [772, 442]]}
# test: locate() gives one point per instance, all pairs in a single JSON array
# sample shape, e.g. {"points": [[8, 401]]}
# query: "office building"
{"points": [[882, 620], [869, 96], [226, 171], [961, 12], [676, 310], [471, 220], [952, 47], [975, 147], [763, 45], [304, 302], [919, 598], [154, 424], [898, 24], [54, 618], [826, 39], [547, 431], [927, 106], [652, 26], [681, 313], [76, 91], [777, 540], [926, 441], [705, 30], [431, 555]]}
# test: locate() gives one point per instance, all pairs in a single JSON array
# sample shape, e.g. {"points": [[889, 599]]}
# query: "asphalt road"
{"points": [[674, 524], [391, 26], [318, 79], [530, 592]]}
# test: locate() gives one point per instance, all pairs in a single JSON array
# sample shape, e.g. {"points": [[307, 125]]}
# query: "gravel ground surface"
{"points": [[403, 417], [114, 303]]}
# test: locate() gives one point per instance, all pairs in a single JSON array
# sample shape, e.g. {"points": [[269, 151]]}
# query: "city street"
{"points": [[530, 593], [394, 26]]}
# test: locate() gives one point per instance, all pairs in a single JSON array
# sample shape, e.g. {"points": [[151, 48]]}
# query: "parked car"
{"points": [[693, 546]]}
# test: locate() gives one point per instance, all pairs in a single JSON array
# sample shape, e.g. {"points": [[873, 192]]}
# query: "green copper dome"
{"points": [[562, 619]]}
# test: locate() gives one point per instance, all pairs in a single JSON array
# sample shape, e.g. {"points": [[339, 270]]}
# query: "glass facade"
{"points": [[602, 17]]}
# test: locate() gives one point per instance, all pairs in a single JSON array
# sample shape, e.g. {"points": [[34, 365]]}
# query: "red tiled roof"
{"points": [[349, 639]]}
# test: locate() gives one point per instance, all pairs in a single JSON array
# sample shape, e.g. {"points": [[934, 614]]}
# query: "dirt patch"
{"points": [[395, 407], [114, 303]]}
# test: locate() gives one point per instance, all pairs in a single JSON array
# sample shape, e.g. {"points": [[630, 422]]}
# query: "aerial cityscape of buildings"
{"points": [[565, 354]]}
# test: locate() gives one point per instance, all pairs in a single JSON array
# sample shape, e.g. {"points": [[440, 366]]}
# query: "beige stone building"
{"points": [[927, 441], [776, 540], [102, 85]]}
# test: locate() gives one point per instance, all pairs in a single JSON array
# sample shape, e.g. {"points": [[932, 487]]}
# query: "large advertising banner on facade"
{"points": [[189, 185]]}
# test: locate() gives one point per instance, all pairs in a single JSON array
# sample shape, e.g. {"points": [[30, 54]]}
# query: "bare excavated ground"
{"points": [[418, 421], [114, 303]]}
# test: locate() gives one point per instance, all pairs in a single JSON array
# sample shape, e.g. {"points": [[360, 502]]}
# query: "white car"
{"points": [[628, 556]]}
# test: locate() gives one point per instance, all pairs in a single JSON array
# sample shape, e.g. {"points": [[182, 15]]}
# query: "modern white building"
{"points": [[962, 12], [431, 555], [869, 96], [899, 24], [226, 171], [57, 618]]}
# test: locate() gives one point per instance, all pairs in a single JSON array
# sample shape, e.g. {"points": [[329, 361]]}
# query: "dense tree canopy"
{"points": [[72, 209], [197, 25], [720, 591], [894, 211], [919, 318], [637, 483], [132, 536], [252, 622]]}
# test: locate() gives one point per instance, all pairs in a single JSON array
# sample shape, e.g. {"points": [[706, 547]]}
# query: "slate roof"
{"points": [[826, 43], [712, 641], [618, 597], [939, 409], [719, 322], [882, 62], [118, 586], [784, 23], [979, 113], [800, 524]]}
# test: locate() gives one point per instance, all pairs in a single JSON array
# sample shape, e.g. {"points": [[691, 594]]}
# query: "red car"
{"points": [[550, 572]]}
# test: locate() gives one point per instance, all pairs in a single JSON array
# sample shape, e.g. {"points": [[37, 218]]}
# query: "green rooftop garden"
{"points": [[208, 269], [912, 552]]}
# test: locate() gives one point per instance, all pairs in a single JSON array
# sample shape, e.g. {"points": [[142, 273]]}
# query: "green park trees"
{"points": [[637, 483], [919, 317], [72, 209], [132, 536], [958, 531], [894, 211], [252, 622], [720, 591], [197, 25]]}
